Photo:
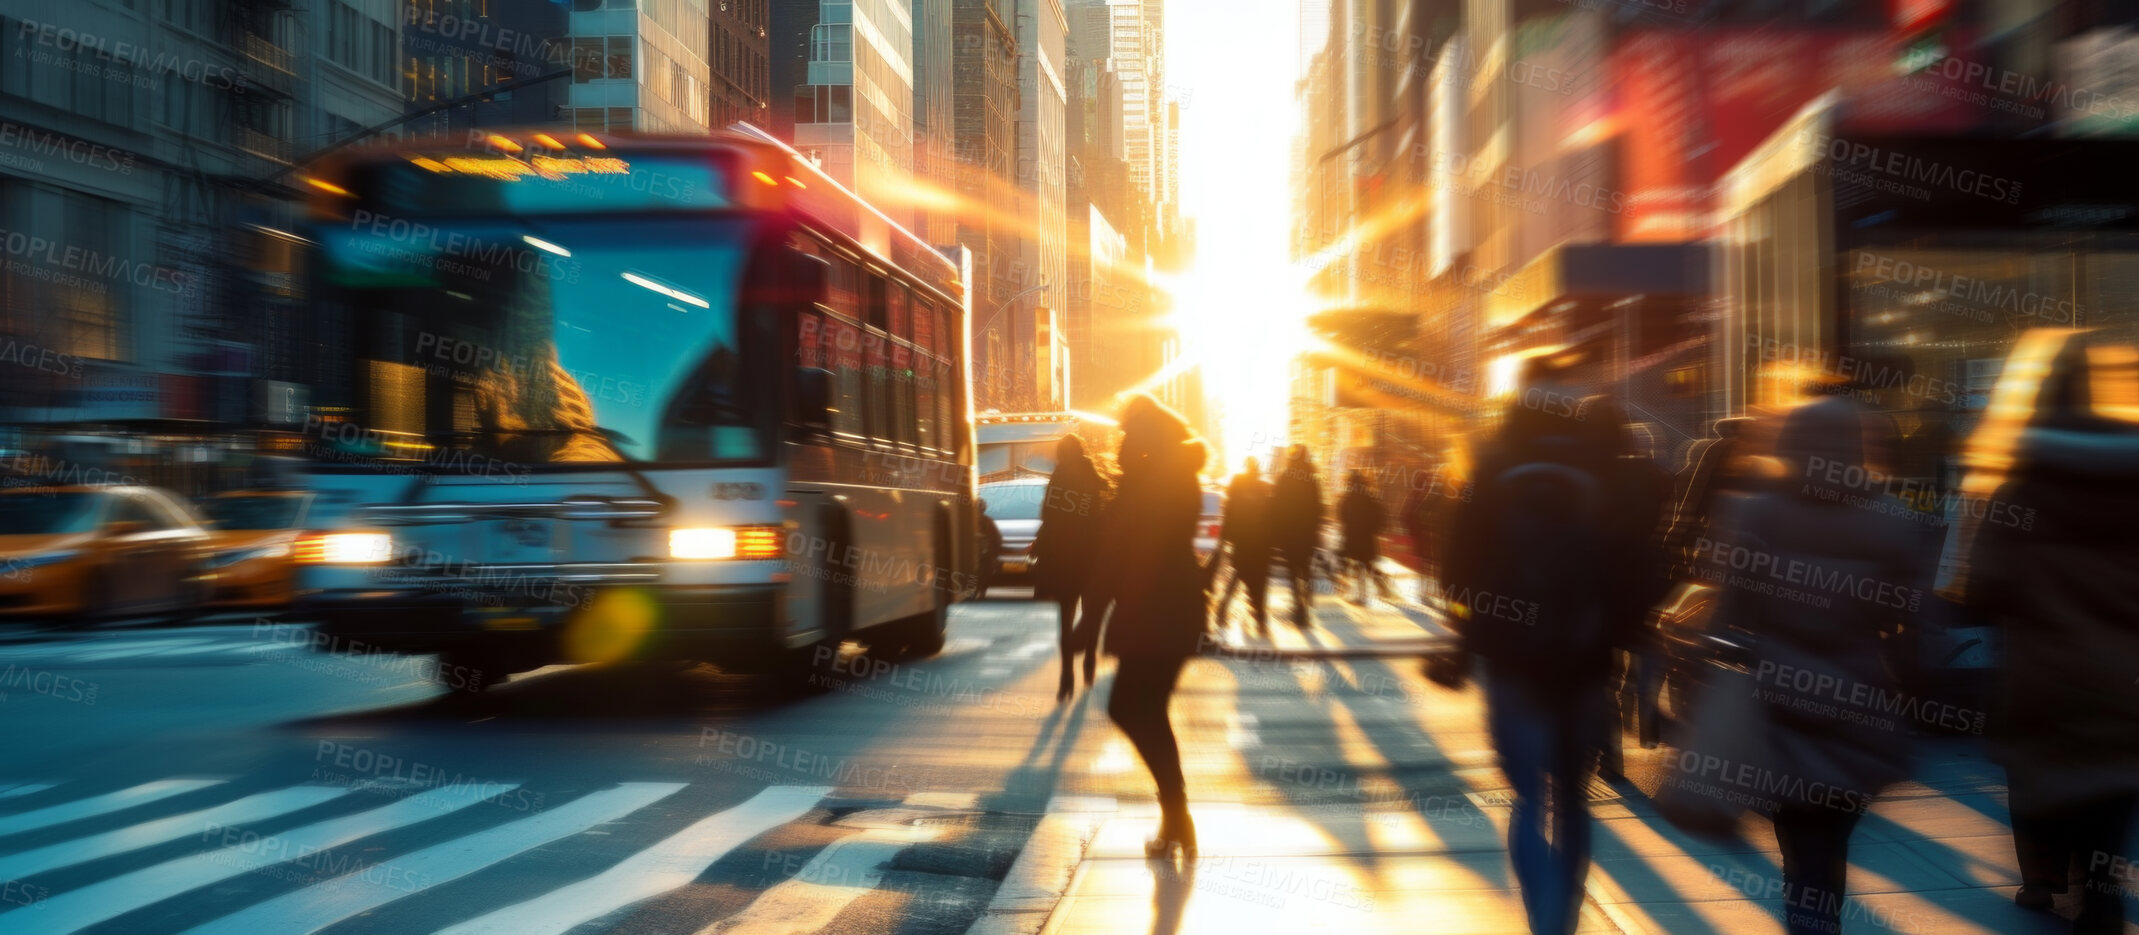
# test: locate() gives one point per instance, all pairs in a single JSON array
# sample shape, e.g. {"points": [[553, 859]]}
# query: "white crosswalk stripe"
{"points": [[674, 862], [843, 872], [148, 834], [316, 907], [200, 886], [99, 804], [107, 899]]}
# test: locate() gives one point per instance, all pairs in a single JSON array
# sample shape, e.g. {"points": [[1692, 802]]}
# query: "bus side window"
{"points": [[902, 392], [809, 349], [877, 363], [924, 312], [873, 300], [845, 357], [947, 415], [842, 287], [898, 303], [925, 401]]}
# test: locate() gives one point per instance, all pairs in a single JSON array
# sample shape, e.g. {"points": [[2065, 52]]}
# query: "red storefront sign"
{"points": [[1694, 105]]}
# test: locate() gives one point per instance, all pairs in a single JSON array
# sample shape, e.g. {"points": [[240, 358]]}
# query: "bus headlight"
{"points": [[724, 542], [345, 548]]}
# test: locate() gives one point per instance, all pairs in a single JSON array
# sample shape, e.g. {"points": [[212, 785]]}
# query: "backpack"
{"points": [[1543, 604]]}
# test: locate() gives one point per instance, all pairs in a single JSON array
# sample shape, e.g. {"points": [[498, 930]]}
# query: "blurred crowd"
{"points": [[1783, 610]]}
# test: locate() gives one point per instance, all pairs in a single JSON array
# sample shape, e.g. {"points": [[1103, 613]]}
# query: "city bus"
{"points": [[583, 398]]}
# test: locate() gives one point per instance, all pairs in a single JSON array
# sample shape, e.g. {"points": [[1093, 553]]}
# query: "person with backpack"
{"points": [[1361, 517], [1554, 557], [1296, 522]]}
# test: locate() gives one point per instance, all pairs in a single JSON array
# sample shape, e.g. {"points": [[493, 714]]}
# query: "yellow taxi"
{"points": [[253, 533], [94, 552]]}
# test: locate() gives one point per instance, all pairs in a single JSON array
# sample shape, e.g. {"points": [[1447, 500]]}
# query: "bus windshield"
{"points": [[556, 339]]}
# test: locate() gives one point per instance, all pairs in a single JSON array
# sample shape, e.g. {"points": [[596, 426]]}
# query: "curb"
{"points": [[1040, 876]]}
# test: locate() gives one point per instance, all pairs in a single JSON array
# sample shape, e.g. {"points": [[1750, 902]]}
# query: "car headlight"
{"points": [[27, 562], [234, 556], [724, 542], [345, 548]]}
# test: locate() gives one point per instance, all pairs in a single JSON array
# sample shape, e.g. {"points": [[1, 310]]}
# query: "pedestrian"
{"points": [[1559, 548], [1062, 556], [1705, 482], [1156, 585], [2051, 499], [1247, 532], [1296, 527], [1826, 572], [1428, 518], [1361, 516]]}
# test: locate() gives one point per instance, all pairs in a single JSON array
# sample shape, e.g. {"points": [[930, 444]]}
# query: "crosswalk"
{"points": [[209, 856]]}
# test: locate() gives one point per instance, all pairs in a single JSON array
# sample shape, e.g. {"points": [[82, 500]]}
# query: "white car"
{"points": [[1015, 506]]}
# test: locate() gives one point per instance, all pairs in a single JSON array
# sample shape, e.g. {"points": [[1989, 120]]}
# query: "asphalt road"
{"points": [[226, 778]]}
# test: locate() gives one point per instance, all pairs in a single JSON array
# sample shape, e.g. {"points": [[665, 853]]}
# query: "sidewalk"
{"points": [[1934, 855]]}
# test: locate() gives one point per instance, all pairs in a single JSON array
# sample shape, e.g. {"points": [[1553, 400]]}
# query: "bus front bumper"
{"points": [[711, 623]]}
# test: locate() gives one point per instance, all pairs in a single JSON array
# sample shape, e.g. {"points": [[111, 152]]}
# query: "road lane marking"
{"points": [[27, 788], [100, 804], [90, 649], [257, 807], [145, 648], [321, 905], [108, 899], [673, 862]]}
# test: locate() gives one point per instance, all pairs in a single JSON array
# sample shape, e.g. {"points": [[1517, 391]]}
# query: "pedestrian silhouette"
{"points": [[1553, 556], [1246, 533], [1157, 588], [1063, 551], [1825, 573], [1361, 516], [2052, 497], [1704, 482], [1296, 528]]}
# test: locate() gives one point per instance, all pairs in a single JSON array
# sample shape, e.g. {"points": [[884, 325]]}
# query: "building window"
{"points": [[586, 59]]}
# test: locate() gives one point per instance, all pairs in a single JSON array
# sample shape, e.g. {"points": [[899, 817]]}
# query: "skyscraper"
{"points": [[984, 107], [853, 110], [1043, 104], [935, 127], [640, 66], [738, 51]]}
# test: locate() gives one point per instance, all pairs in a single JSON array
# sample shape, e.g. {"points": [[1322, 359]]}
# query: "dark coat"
{"points": [[1628, 565], [1822, 573], [1296, 511], [2056, 562], [1069, 530], [1247, 517], [1149, 566], [1362, 517]]}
